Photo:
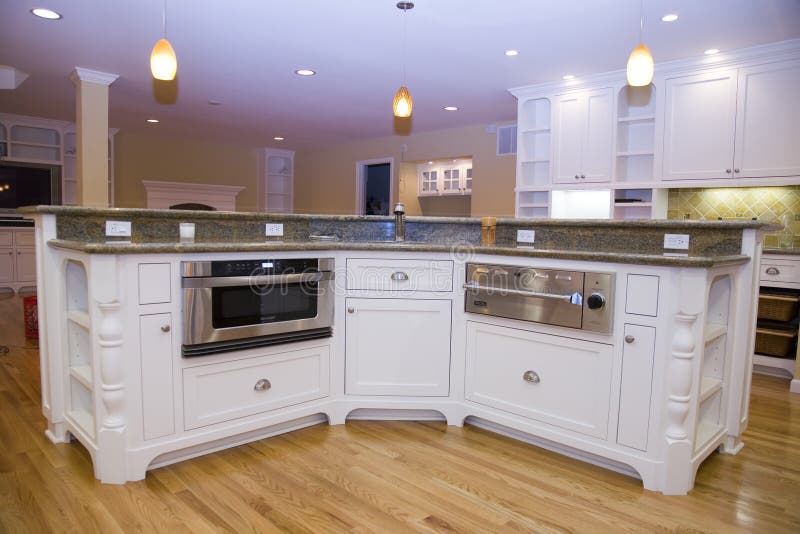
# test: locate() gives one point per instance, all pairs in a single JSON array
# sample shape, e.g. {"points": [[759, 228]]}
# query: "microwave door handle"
{"points": [[554, 296], [275, 279]]}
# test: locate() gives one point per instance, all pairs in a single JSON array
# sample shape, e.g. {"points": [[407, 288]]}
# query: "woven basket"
{"points": [[774, 342], [777, 307]]}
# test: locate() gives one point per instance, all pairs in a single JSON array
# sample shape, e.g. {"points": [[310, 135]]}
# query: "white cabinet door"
{"points": [[26, 265], [155, 338], [7, 261], [557, 380], [636, 386], [569, 123], [699, 126], [397, 347], [597, 153], [768, 121]]}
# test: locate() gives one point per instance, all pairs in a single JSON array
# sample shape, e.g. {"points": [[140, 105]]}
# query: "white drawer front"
{"points": [[224, 391], [23, 238], [785, 271], [6, 238], [557, 380], [399, 275]]}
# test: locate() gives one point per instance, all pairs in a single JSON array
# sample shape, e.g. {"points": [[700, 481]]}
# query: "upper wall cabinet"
{"points": [[583, 125], [278, 180], [733, 123]]}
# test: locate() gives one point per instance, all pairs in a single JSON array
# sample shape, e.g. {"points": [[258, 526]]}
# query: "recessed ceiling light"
{"points": [[305, 72], [152, 120], [711, 51], [430, 163], [671, 17], [44, 13], [279, 138], [567, 76], [214, 103], [511, 53], [450, 108]]}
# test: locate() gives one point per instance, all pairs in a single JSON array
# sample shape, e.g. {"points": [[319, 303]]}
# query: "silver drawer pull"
{"points": [[629, 339], [262, 385], [165, 328], [531, 376], [351, 310], [400, 276], [773, 270], [503, 291]]}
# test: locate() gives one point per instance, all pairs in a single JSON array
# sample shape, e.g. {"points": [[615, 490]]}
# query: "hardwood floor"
{"points": [[383, 477]]}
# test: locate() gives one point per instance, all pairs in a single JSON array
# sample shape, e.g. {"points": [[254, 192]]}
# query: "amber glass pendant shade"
{"points": [[163, 63], [402, 103], [640, 67]]}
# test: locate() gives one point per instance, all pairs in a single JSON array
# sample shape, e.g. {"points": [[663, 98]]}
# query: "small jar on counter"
{"points": [[488, 231]]}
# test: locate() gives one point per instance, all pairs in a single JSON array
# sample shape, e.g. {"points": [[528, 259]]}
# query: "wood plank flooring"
{"points": [[382, 477]]}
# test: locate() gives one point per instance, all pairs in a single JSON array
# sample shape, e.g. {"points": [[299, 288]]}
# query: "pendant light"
{"points": [[640, 62], [163, 63], [402, 99]]}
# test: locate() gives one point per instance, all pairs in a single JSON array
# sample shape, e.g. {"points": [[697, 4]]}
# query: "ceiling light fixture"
{"points": [[640, 62], [153, 121], [671, 17], [402, 99], [512, 53], [214, 103], [163, 63], [711, 51], [450, 108], [567, 76], [279, 138], [45, 13], [305, 72]]}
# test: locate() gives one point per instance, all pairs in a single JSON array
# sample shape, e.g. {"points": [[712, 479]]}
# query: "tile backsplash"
{"points": [[762, 203]]}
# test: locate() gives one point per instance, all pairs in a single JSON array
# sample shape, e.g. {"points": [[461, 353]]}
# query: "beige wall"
{"points": [[324, 180], [147, 156]]}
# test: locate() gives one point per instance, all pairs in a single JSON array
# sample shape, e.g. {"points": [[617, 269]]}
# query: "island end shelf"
{"points": [[654, 397]]}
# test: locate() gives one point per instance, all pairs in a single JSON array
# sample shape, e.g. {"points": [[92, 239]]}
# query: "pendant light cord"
{"points": [[404, 45], [164, 19], [641, 20]]}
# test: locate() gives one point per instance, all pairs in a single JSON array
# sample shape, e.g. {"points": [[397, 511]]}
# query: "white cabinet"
{"points": [[453, 177], [397, 347], [583, 125], [7, 260], [399, 275], [557, 380], [155, 344], [17, 257], [26, 265], [278, 180], [636, 386], [733, 123]]}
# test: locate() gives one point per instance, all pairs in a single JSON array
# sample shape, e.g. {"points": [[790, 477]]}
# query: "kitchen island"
{"points": [[652, 395]]}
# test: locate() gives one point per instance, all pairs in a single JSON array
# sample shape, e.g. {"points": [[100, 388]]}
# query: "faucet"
{"points": [[399, 222]]}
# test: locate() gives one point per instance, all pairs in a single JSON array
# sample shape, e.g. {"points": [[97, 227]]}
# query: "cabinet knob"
{"points": [[735, 170], [166, 328], [583, 176], [629, 339], [531, 376], [576, 176], [728, 171], [773, 270], [262, 385], [400, 276], [351, 310]]}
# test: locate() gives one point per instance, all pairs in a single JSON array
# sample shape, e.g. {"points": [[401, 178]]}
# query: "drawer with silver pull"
{"points": [[399, 275], [784, 271], [229, 390]]}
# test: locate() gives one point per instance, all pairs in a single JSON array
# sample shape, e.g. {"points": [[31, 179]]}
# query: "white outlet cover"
{"points": [[118, 229], [676, 241], [526, 236], [273, 230]]}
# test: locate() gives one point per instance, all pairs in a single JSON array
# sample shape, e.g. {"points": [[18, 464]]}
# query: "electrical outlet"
{"points": [[274, 230], [676, 241], [118, 228], [526, 236]]}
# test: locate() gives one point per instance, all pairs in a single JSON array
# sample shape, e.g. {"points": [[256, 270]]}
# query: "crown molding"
{"points": [[94, 76]]}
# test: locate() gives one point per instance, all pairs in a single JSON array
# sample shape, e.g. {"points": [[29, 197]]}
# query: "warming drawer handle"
{"points": [[234, 281], [554, 296], [262, 385], [773, 270], [399, 276], [531, 376]]}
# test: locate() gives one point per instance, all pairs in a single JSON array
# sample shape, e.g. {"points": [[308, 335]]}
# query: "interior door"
{"points": [[598, 149], [699, 126], [768, 121], [568, 135]]}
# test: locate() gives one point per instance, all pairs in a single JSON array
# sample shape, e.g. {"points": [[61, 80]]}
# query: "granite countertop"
{"points": [[458, 250], [791, 251]]}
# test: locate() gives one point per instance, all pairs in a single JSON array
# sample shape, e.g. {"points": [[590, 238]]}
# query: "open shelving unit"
{"points": [[80, 406], [533, 159]]}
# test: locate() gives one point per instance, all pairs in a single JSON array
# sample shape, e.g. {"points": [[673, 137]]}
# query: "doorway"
{"points": [[374, 187]]}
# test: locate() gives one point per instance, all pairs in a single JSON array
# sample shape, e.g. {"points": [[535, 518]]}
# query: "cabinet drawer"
{"points": [[557, 380], [400, 275], [23, 238], [229, 390], [784, 271], [6, 238]]}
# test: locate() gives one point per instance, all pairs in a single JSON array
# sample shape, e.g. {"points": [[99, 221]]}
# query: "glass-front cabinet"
{"points": [[445, 177]]}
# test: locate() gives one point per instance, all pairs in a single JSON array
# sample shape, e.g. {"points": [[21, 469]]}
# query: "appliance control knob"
{"points": [[596, 301]]}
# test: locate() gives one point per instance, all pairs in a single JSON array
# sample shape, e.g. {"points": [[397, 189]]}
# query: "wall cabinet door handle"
{"points": [[773, 270], [351, 310], [736, 170], [262, 385], [400, 276], [531, 376], [576, 176], [629, 339], [166, 328], [728, 171], [583, 176]]}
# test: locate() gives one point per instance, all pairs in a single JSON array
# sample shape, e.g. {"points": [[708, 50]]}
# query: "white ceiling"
{"points": [[243, 53]]}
